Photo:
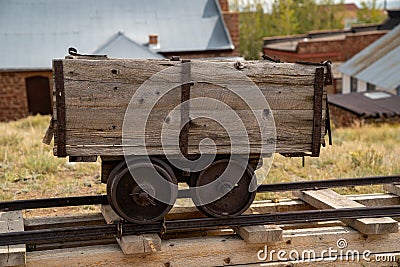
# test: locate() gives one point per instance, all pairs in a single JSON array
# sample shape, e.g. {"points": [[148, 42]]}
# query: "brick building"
{"points": [[127, 29], [335, 45]]}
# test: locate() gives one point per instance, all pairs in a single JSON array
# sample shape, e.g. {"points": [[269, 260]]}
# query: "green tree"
{"points": [[253, 25], [370, 13], [330, 15], [286, 17], [283, 17]]}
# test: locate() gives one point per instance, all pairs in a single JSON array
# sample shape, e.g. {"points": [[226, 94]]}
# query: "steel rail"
{"points": [[318, 184], [52, 202], [108, 230], [279, 187]]}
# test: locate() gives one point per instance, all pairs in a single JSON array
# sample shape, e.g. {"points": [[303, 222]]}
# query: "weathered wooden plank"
{"points": [[293, 132], [378, 199], [112, 120], [220, 251], [140, 244], [392, 188], [116, 95], [103, 88], [37, 223], [179, 212], [109, 214], [14, 255], [374, 260], [328, 199], [137, 71], [260, 233]]}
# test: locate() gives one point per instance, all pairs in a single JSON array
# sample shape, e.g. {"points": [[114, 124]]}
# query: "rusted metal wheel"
{"points": [[236, 201], [123, 164], [137, 203]]}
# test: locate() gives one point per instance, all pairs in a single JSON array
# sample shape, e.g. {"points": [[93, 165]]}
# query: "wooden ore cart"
{"points": [[149, 120]]}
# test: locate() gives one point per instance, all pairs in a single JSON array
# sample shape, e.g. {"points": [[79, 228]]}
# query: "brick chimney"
{"points": [[224, 5], [153, 41]]}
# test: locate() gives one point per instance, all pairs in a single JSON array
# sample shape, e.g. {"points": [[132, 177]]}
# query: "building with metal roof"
{"points": [[33, 32], [375, 67], [364, 107]]}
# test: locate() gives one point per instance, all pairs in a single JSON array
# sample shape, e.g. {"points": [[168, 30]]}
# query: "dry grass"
{"points": [[28, 168], [369, 150]]}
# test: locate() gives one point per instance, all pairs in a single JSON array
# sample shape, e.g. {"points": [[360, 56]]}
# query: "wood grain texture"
{"points": [[328, 199], [12, 255], [260, 234], [220, 251], [212, 250], [98, 93], [140, 244], [392, 188]]}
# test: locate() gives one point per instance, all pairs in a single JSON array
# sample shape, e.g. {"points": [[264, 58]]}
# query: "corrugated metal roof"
{"points": [[120, 46], [32, 32], [379, 63], [364, 106]]}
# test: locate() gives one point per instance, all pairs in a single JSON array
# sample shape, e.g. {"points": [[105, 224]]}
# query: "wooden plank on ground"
{"points": [[109, 214], [377, 199], [139, 244], [374, 260], [37, 223], [12, 221], [263, 206], [392, 188], [227, 250], [260, 233], [328, 199]]}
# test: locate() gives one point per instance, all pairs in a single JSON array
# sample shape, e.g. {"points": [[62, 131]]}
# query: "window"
{"points": [[353, 84], [371, 87]]}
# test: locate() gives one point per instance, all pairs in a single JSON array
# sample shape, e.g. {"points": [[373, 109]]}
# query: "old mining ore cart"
{"points": [[136, 116]]}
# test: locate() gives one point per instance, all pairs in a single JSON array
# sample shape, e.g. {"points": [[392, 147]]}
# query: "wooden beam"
{"points": [[14, 255], [139, 244], [103, 89], [260, 233], [37, 223], [262, 206], [328, 199], [221, 251], [109, 214], [392, 188]]}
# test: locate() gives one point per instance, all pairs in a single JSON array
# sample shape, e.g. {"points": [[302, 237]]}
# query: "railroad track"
{"points": [[54, 235], [278, 187], [119, 229]]}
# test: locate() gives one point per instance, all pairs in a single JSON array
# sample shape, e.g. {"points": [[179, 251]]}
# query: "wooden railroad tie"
{"points": [[328, 199], [225, 248], [392, 188], [215, 247], [12, 221]]}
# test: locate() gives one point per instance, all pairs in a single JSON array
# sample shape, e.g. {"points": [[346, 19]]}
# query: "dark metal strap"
{"points": [[317, 117], [185, 96], [60, 100]]}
